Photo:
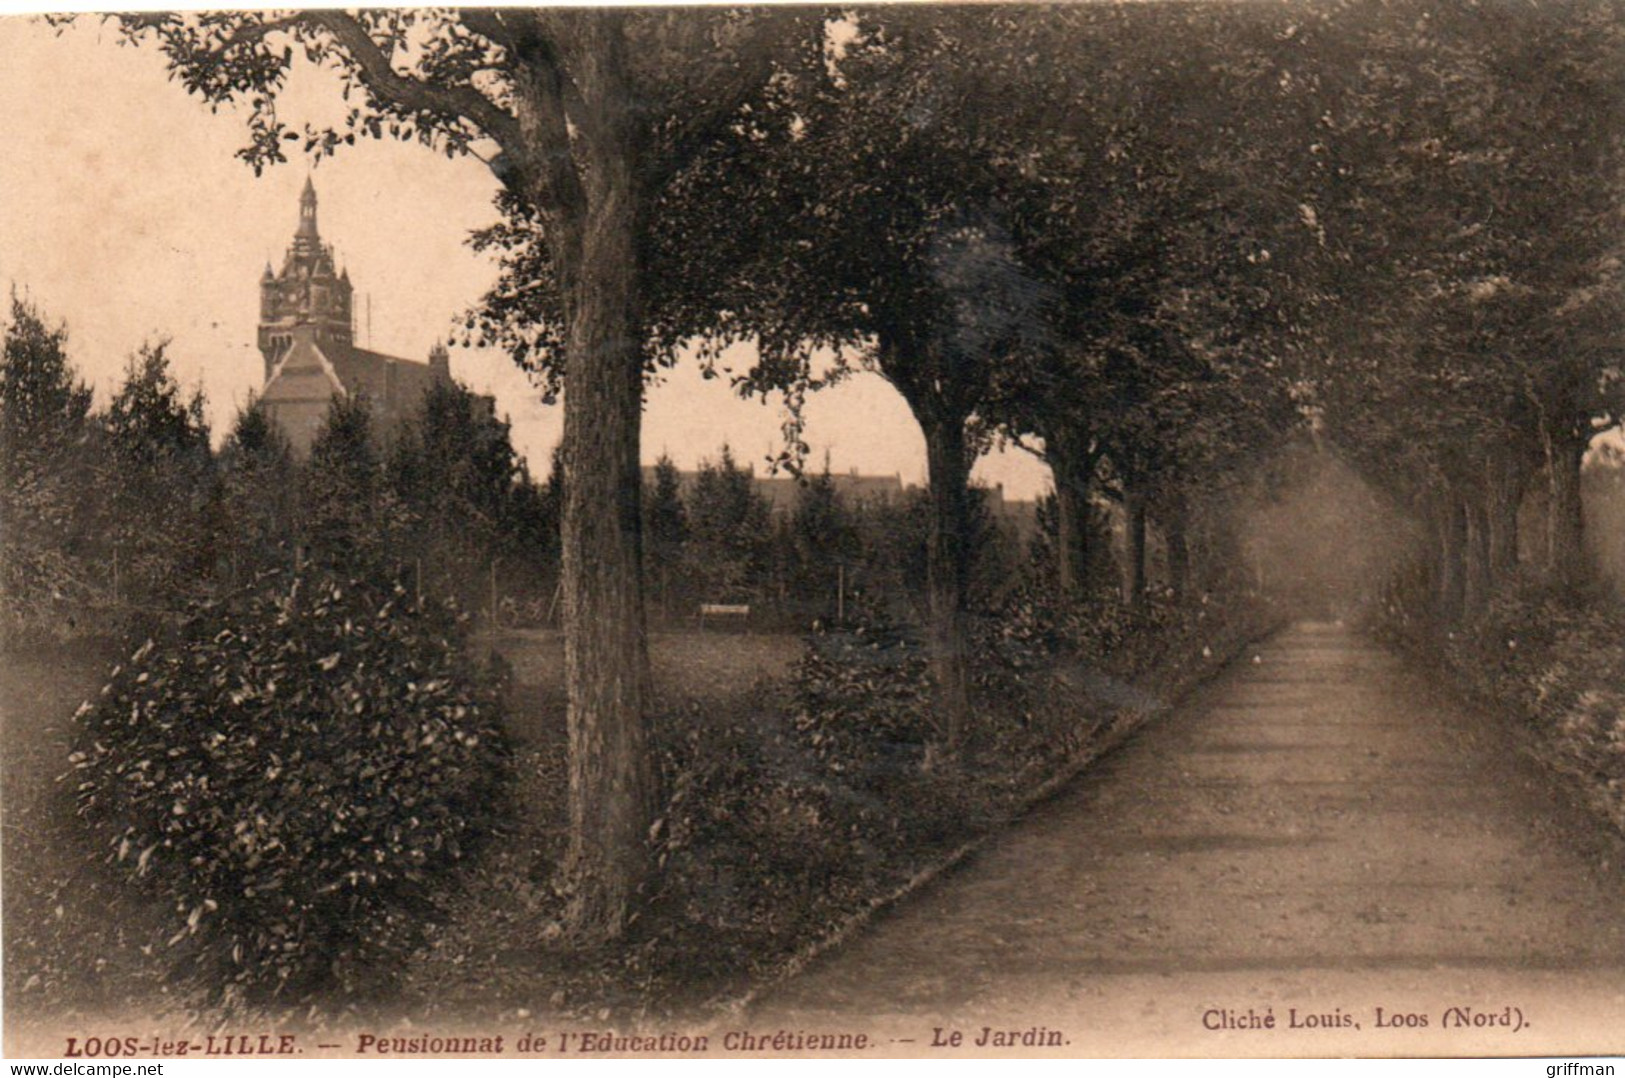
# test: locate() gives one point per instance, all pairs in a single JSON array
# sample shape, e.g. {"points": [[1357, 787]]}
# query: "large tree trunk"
{"points": [[1565, 516], [948, 573], [605, 648]]}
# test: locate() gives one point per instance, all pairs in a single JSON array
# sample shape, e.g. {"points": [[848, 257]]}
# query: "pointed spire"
{"points": [[268, 275], [307, 211]]}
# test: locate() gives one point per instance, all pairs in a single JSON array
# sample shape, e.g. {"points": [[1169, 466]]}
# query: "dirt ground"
{"points": [[1321, 840]]}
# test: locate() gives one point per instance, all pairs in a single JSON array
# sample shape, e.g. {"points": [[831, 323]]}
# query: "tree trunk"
{"points": [[1501, 509], [1218, 554], [1479, 576], [1179, 558], [605, 647], [1452, 559], [1072, 519], [1136, 592], [1565, 517], [947, 572]]}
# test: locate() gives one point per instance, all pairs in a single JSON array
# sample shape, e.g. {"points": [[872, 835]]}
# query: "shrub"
{"points": [[765, 841], [1023, 717], [298, 769], [751, 830], [1557, 658], [787, 810], [863, 698]]}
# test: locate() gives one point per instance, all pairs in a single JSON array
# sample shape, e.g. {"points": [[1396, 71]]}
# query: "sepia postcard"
{"points": [[926, 531]]}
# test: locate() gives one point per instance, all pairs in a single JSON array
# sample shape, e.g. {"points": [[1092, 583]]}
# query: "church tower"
{"points": [[308, 291], [307, 341]]}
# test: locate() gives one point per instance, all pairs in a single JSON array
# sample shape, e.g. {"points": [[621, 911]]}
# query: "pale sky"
{"points": [[124, 212]]}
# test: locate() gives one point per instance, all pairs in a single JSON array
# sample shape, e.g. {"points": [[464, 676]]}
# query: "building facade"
{"points": [[307, 339]]}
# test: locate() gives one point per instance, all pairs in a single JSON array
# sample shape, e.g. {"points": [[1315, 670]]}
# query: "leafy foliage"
{"points": [[750, 832], [300, 770], [158, 487], [45, 470], [727, 532], [1554, 658], [862, 699]]}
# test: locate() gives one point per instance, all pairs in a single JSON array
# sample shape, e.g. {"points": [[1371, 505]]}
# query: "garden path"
{"points": [[1320, 833]]}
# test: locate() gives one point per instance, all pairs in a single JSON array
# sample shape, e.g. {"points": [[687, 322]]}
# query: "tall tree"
{"points": [[589, 119], [457, 477], [45, 474], [346, 514], [666, 526], [880, 224], [1489, 284], [1170, 221], [823, 540], [258, 480], [158, 485], [728, 533]]}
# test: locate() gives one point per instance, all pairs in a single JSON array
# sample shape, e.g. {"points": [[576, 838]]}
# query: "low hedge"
{"points": [[1559, 659], [1554, 657]]}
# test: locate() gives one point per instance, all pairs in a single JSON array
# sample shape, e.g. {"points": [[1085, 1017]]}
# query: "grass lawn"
{"points": [[76, 940]]}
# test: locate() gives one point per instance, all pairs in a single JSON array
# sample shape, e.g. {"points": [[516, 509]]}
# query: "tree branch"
{"points": [[489, 24], [716, 100], [1015, 440], [544, 127], [406, 93], [253, 33]]}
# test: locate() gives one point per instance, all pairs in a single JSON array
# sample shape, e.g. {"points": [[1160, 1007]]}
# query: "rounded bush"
{"points": [[299, 770]]}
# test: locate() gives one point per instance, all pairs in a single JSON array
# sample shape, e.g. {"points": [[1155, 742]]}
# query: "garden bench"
{"points": [[740, 611]]}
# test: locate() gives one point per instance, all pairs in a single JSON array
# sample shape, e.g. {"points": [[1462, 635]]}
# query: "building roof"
{"points": [[317, 369]]}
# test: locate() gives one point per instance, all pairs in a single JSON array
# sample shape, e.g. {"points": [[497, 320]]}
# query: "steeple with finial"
{"points": [[306, 239], [306, 337], [308, 291]]}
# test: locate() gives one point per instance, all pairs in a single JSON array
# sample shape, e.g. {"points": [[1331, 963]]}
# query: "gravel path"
{"points": [[1320, 837]]}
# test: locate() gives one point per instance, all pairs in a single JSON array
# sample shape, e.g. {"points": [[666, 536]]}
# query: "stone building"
{"points": [[307, 337]]}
